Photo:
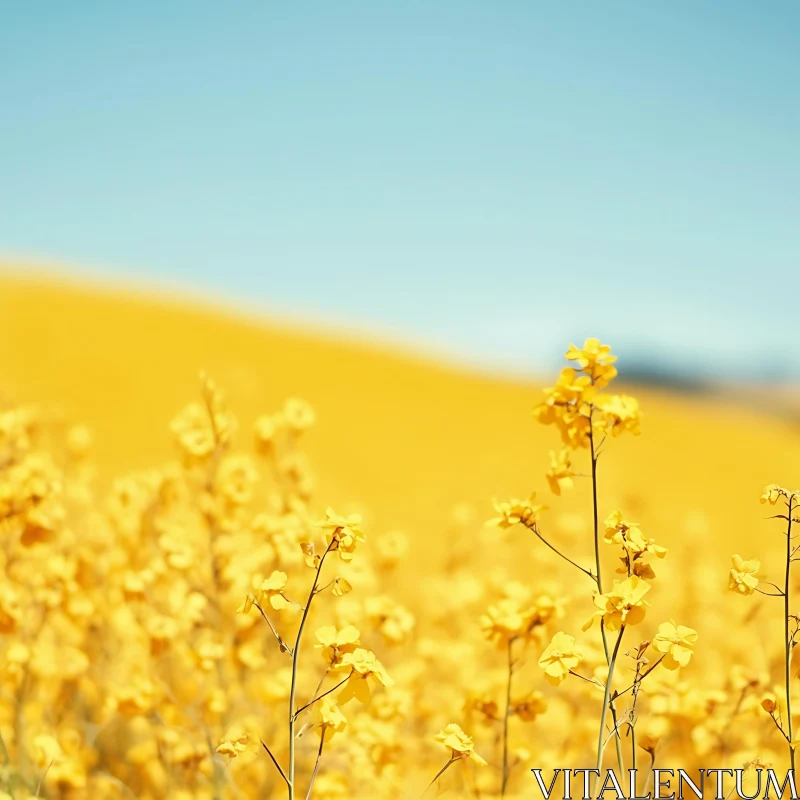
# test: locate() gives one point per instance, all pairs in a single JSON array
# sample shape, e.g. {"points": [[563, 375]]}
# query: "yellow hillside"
{"points": [[406, 437], [423, 448]]}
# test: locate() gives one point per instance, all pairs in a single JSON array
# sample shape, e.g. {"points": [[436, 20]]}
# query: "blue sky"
{"points": [[490, 178]]}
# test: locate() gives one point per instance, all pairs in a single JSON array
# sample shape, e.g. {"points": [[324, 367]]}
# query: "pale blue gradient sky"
{"points": [[495, 178]]}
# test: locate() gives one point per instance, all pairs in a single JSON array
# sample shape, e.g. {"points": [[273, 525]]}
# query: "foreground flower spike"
{"points": [[742, 580], [676, 642], [587, 418]]}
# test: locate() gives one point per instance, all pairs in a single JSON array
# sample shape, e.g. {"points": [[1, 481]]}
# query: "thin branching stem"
{"points": [[779, 727], [440, 773], [607, 700], [281, 643], [535, 530], [787, 638], [324, 694], [316, 764], [641, 678], [295, 655], [504, 781], [595, 514], [593, 681], [275, 762], [599, 576]]}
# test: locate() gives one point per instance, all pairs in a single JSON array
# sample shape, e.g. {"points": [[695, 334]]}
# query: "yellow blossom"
{"points": [[742, 579], [559, 657], [513, 512], [772, 494], [459, 744], [329, 718], [624, 604], [342, 534], [364, 665], [676, 642], [335, 643], [272, 590], [560, 475]]}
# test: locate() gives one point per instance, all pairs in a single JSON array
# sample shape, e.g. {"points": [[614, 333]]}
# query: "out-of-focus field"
{"points": [[423, 448]]}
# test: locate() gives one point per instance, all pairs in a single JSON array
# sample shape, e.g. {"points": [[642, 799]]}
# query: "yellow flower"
{"points": [[460, 745], [298, 414], [742, 578], [393, 620], [342, 534], [592, 353], [676, 641], [341, 587], [772, 494], [329, 718], [620, 413], [629, 535], [512, 512], [559, 657], [622, 605], [272, 588], [510, 619], [234, 744], [560, 474], [335, 643], [265, 431], [529, 707], [364, 664]]}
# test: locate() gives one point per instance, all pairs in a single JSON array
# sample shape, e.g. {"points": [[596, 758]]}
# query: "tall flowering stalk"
{"points": [[585, 418], [342, 650], [743, 580]]}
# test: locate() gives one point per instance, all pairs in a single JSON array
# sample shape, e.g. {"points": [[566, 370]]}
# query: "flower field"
{"points": [[253, 561]]}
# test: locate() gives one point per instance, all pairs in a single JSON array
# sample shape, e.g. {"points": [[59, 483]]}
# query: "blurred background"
{"points": [[482, 181]]}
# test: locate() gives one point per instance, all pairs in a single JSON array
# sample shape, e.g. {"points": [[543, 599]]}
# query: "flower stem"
{"points": [[295, 656], [606, 700], [324, 694], [787, 639], [599, 576], [599, 580], [440, 773], [504, 782], [316, 764]]}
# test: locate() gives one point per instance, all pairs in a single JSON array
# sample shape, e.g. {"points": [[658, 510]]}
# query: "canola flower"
{"points": [[127, 671], [743, 581], [585, 416]]}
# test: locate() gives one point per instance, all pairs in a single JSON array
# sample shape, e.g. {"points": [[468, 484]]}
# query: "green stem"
{"points": [[504, 782], [607, 700], [316, 764], [599, 580], [788, 643], [594, 509], [295, 656]]}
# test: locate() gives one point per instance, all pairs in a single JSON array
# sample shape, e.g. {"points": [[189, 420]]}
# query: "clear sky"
{"points": [[494, 178]]}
